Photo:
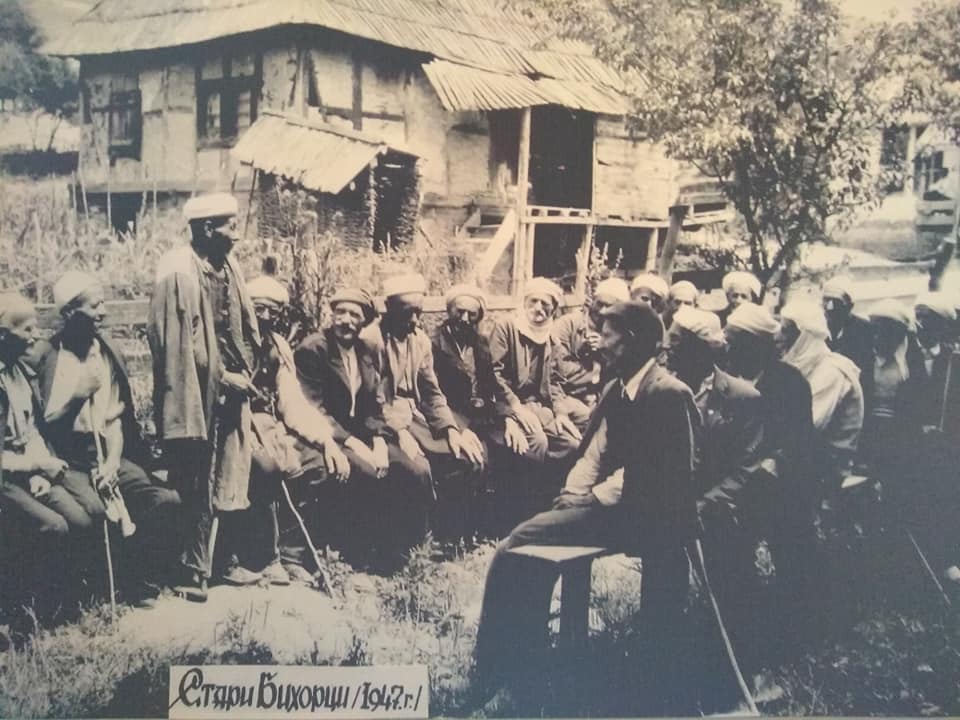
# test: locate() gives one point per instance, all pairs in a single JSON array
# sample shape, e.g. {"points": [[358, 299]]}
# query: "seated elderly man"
{"points": [[89, 415], [415, 407], [388, 492], [39, 493], [578, 368], [651, 289], [834, 384], [682, 294]]}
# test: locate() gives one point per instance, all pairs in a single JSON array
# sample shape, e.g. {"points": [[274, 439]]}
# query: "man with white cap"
{"points": [[651, 289], [202, 332], [850, 334], [741, 287], [683, 293], [415, 407], [86, 400], [340, 377], [835, 387], [39, 494], [523, 356], [578, 369]]}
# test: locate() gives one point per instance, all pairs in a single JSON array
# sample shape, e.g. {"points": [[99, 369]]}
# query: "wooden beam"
{"points": [[677, 213], [357, 92], [520, 249]]}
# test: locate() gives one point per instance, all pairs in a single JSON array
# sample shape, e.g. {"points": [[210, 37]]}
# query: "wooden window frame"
{"points": [[129, 101], [229, 88]]}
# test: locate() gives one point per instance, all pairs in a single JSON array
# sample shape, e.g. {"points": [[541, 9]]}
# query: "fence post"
{"points": [[38, 248]]}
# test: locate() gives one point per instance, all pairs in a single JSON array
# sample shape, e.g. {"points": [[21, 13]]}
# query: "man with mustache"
{"points": [[202, 333], [388, 490], [87, 401]]}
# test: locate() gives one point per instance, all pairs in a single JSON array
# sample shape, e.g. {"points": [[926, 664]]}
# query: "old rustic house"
{"points": [[506, 137]]}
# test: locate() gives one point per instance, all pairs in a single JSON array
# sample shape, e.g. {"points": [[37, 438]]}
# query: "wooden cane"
{"points": [[930, 572], [106, 523], [306, 536], [731, 656]]}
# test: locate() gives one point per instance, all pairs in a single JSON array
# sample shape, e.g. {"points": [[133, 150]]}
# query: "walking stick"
{"points": [[106, 523], [744, 690], [328, 586], [930, 572]]}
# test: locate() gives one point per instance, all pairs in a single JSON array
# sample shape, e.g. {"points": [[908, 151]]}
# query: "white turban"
{"points": [[614, 288], [894, 310], [654, 283], [214, 205], [470, 291], [404, 285], [754, 319], [71, 285], [839, 288], [808, 317], [704, 325], [543, 286], [14, 309], [267, 288], [741, 279], [939, 303], [684, 290]]}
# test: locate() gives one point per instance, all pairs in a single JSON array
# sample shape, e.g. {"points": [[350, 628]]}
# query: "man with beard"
{"points": [[683, 293], [576, 340], [741, 288], [87, 402], [651, 289], [850, 334], [534, 413], [654, 517], [202, 333], [388, 491], [293, 444], [39, 494]]}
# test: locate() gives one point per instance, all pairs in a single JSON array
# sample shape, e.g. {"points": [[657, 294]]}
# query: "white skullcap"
{"points": [[613, 288], [654, 283], [214, 205], [467, 290], [940, 303], [404, 285], [741, 279], [71, 285], [684, 290], [808, 317], [839, 288], [543, 286], [895, 310], [754, 319], [265, 287], [705, 325]]}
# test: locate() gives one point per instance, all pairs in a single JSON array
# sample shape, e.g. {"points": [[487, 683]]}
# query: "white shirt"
{"points": [[585, 474], [352, 368]]}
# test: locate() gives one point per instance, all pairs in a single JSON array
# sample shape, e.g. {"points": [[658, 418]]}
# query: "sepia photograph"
{"points": [[479, 358]]}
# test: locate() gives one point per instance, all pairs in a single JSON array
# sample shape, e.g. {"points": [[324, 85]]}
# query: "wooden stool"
{"points": [[574, 563]]}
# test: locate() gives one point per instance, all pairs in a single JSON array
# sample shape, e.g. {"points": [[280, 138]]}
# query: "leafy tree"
{"points": [[781, 105], [40, 82], [932, 82]]}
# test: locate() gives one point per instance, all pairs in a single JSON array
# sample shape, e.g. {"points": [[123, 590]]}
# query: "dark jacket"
{"points": [[652, 438], [324, 382], [505, 343], [456, 380], [59, 433], [856, 343], [573, 360]]}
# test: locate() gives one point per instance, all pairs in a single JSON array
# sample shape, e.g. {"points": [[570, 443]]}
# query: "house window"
{"points": [[125, 117], [928, 170], [228, 90]]}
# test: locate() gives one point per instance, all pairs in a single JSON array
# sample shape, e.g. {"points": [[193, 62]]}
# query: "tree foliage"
{"points": [[782, 105], [932, 75], [39, 81]]}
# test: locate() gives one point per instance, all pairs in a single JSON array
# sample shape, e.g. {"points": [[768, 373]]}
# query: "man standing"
{"points": [[740, 287], [654, 517], [682, 294], [576, 340], [87, 402], [388, 492], [850, 334], [202, 333]]}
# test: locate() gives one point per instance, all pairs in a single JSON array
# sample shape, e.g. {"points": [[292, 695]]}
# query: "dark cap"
{"points": [[638, 319]]}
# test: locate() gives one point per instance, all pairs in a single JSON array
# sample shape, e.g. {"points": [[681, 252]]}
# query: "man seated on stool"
{"points": [[654, 516]]}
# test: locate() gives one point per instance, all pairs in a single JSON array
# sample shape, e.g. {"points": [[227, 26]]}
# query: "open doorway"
{"points": [[561, 157]]}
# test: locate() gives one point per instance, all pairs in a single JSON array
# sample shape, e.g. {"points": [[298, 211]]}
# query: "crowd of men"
{"points": [[641, 423]]}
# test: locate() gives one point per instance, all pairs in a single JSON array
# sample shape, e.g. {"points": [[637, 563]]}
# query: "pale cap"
{"points": [[742, 279], [265, 287], [71, 285], [614, 288], [404, 285], [213, 205], [754, 319], [654, 283]]}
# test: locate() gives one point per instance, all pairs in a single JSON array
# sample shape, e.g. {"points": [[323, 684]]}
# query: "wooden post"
{"points": [[677, 214], [583, 262], [575, 603], [520, 249], [38, 248], [253, 186]]}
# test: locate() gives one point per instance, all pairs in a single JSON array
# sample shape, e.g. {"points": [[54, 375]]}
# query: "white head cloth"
{"points": [[213, 205], [404, 285], [742, 279], [613, 288], [754, 319], [654, 283], [265, 287], [71, 285]]}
